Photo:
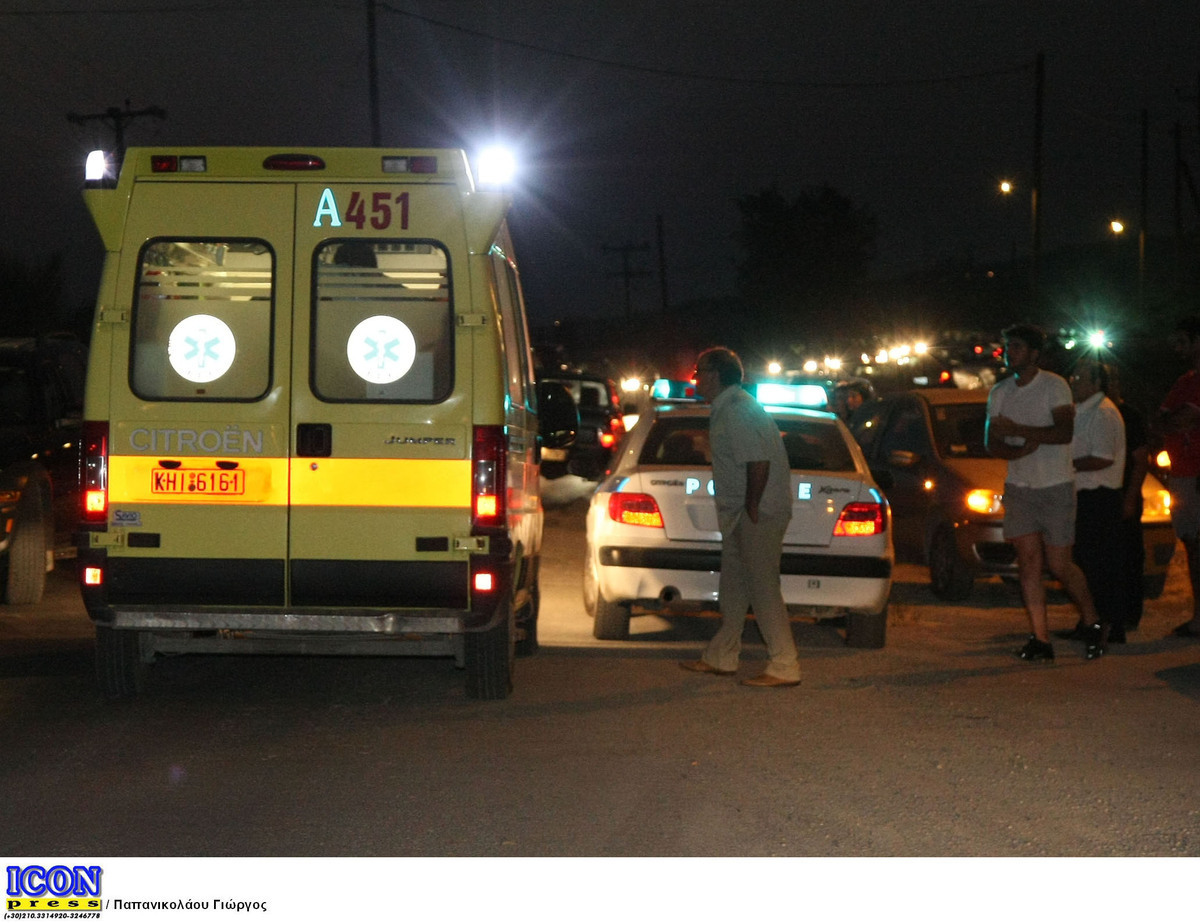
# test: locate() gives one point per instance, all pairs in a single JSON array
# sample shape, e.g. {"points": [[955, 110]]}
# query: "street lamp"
{"points": [[1117, 226]]}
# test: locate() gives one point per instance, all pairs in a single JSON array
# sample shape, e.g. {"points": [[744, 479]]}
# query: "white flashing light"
{"points": [[630, 385], [96, 167], [811, 366], [774, 368], [832, 362], [921, 348], [1097, 339], [496, 166]]}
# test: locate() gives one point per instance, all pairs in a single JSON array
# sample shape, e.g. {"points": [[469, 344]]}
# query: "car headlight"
{"points": [[984, 501], [1156, 505]]}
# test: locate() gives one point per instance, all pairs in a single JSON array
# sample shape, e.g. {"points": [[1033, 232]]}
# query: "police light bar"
{"points": [[419, 164], [782, 395]]}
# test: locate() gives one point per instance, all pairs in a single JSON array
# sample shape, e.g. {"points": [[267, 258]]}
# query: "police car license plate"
{"points": [[197, 481]]}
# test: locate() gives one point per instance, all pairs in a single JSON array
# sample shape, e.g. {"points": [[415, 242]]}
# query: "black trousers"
{"points": [[1100, 551]]}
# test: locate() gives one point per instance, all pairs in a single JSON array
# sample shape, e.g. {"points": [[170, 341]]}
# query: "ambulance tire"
{"points": [[867, 629], [527, 645], [26, 580], [489, 657], [120, 666], [611, 621]]}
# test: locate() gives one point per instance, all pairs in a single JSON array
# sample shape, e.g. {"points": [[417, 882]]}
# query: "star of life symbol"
{"points": [[381, 349], [201, 348]]}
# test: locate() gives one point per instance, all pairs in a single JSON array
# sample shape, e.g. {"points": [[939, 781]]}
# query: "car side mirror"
{"points": [[902, 458], [558, 417]]}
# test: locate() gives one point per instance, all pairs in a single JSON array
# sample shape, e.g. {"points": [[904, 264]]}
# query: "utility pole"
{"points": [[1035, 268], [662, 264], [628, 272], [117, 119]]}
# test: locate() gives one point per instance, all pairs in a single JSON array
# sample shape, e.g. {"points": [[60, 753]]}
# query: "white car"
{"points": [[653, 544]]}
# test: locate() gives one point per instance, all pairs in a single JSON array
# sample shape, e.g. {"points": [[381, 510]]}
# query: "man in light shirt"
{"points": [[753, 491], [1098, 454], [1030, 423]]}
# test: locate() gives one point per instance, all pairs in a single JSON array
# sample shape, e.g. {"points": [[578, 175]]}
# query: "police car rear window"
{"points": [[202, 320], [812, 444], [382, 325]]}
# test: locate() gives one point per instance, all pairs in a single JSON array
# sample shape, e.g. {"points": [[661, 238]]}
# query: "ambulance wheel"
{"points": [[489, 657], [867, 629], [527, 642], [121, 667], [26, 581], [612, 621]]}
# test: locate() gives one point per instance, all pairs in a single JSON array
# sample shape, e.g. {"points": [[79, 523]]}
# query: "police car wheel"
{"points": [[121, 667], [612, 621], [867, 629], [27, 558], [489, 657]]}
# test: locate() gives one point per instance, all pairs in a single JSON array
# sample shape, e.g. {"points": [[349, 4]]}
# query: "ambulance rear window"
{"points": [[202, 320], [382, 326]]}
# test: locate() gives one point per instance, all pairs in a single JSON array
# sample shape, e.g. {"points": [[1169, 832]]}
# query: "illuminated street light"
{"points": [[1116, 226], [1006, 187], [774, 368]]}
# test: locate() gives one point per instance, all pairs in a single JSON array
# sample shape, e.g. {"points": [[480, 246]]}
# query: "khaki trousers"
{"points": [[750, 578]]}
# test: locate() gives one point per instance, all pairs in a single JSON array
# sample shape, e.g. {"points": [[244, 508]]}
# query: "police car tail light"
{"points": [[861, 519], [488, 478], [93, 472], [634, 510]]}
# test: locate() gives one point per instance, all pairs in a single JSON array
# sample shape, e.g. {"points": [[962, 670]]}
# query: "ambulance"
{"points": [[310, 422]]}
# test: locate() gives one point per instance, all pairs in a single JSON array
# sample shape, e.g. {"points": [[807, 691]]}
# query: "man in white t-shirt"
{"points": [[1030, 423]]}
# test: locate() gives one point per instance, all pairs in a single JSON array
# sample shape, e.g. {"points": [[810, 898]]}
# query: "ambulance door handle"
{"points": [[314, 440]]}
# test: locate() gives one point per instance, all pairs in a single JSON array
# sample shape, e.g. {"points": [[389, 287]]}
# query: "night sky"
{"points": [[625, 111]]}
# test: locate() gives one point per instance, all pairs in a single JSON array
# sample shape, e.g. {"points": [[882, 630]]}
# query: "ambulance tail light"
{"points": [[173, 163], [860, 520], [93, 474], [489, 479]]}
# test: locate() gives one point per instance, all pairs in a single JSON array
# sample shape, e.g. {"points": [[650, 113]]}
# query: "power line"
{"points": [[714, 78]]}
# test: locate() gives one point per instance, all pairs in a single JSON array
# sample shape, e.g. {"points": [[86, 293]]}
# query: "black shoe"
{"points": [[1036, 650], [1078, 633], [1095, 650]]}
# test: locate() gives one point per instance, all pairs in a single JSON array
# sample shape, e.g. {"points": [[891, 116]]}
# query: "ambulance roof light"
{"points": [[496, 166]]}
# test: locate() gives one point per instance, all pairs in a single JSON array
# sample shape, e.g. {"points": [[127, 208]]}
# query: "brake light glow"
{"points": [[93, 576], [489, 479], [93, 472], [634, 510], [861, 519], [485, 581]]}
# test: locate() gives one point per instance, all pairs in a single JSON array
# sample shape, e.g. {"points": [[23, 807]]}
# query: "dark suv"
{"points": [[41, 409], [601, 427]]}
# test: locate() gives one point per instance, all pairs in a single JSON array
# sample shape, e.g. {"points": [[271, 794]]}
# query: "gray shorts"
{"points": [[1048, 510], [1185, 506]]}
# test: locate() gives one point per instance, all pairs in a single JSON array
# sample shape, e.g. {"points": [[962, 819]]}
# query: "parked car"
{"points": [[41, 412], [653, 544], [601, 427], [946, 491]]}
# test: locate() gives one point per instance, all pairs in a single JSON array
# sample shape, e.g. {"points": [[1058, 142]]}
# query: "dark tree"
{"points": [[796, 252]]}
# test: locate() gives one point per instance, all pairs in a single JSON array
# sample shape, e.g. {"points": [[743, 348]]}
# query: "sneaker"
{"points": [[1036, 650]]}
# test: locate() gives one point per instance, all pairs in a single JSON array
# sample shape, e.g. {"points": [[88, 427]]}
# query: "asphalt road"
{"points": [[942, 744]]}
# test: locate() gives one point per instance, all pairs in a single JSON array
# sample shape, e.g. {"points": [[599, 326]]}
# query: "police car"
{"points": [[653, 544]]}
